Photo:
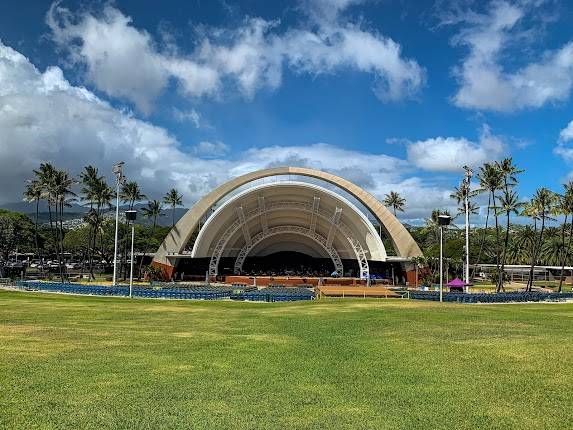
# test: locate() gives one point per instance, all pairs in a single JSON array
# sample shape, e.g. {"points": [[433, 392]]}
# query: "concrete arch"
{"points": [[358, 238], [178, 237]]}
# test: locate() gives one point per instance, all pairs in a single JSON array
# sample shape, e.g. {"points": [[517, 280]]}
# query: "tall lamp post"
{"points": [[443, 221], [131, 216], [467, 181], [117, 170]]}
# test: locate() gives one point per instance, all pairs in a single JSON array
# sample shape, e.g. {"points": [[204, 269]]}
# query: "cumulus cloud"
{"points": [[43, 118], [563, 149], [452, 153], [125, 62], [211, 149], [327, 10], [191, 116], [567, 133], [484, 82]]}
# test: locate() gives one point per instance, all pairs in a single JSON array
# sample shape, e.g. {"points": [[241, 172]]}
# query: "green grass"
{"points": [[88, 362]]}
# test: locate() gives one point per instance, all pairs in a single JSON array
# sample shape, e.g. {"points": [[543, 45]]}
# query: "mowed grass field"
{"points": [[87, 362]]}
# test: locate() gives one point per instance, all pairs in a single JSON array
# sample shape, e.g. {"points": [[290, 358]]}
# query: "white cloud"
{"points": [[208, 149], [567, 133], [45, 118], [485, 83], [562, 149], [327, 10], [451, 153], [125, 62], [189, 115]]}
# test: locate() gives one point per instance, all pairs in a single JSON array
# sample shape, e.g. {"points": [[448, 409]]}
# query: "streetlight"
{"points": [[131, 216], [443, 221], [467, 181], [117, 171]]}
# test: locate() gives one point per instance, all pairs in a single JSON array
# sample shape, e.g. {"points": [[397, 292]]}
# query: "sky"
{"points": [[394, 95]]}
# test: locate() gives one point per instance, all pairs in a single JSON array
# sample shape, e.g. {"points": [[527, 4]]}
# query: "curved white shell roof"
{"points": [[289, 203]]}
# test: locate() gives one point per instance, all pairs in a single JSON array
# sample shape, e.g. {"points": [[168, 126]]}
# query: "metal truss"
{"points": [[294, 229], [246, 232], [333, 222], [262, 211], [313, 215]]}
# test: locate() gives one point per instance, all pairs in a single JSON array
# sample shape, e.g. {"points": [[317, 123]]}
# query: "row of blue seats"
{"points": [[277, 294], [199, 293], [180, 294], [272, 294], [257, 297], [491, 298]]}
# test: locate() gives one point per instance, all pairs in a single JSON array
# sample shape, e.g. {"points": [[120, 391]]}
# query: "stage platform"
{"points": [[356, 291], [292, 281]]}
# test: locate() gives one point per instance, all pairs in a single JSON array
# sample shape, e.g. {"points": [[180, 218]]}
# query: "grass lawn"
{"points": [[88, 362]]}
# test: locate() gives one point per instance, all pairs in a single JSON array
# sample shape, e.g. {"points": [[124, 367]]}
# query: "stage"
{"points": [[293, 281]]}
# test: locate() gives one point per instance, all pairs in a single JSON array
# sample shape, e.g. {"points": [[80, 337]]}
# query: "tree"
{"points": [[524, 239], [64, 195], [46, 178], [131, 194], [153, 210], [16, 232], [509, 204], [432, 228], [33, 194], [552, 251], [565, 208], [99, 195], [543, 201], [174, 199], [490, 181], [395, 201]]}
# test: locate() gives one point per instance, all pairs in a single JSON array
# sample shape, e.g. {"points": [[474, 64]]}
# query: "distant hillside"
{"points": [[77, 211], [28, 208]]}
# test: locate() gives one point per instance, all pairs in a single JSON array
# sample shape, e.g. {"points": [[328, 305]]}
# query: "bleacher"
{"points": [[169, 291], [177, 291], [277, 294], [510, 297]]}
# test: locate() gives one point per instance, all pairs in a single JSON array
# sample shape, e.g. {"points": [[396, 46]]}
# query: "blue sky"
{"points": [[394, 95]]}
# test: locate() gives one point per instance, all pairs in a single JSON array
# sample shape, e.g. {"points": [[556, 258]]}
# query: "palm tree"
{"points": [[45, 177], [131, 194], [509, 172], [459, 195], [174, 199], [63, 196], [524, 239], [509, 205], [395, 201], [89, 179], [543, 200], [99, 195], [490, 180], [432, 227], [153, 210], [33, 194], [552, 251], [566, 209]]}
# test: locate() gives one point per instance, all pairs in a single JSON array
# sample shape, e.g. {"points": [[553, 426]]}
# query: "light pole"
{"points": [[443, 221], [131, 216], [467, 181], [117, 170]]}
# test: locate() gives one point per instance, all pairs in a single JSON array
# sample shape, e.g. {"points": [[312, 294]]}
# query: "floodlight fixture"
{"points": [[131, 215], [117, 168], [444, 220]]}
